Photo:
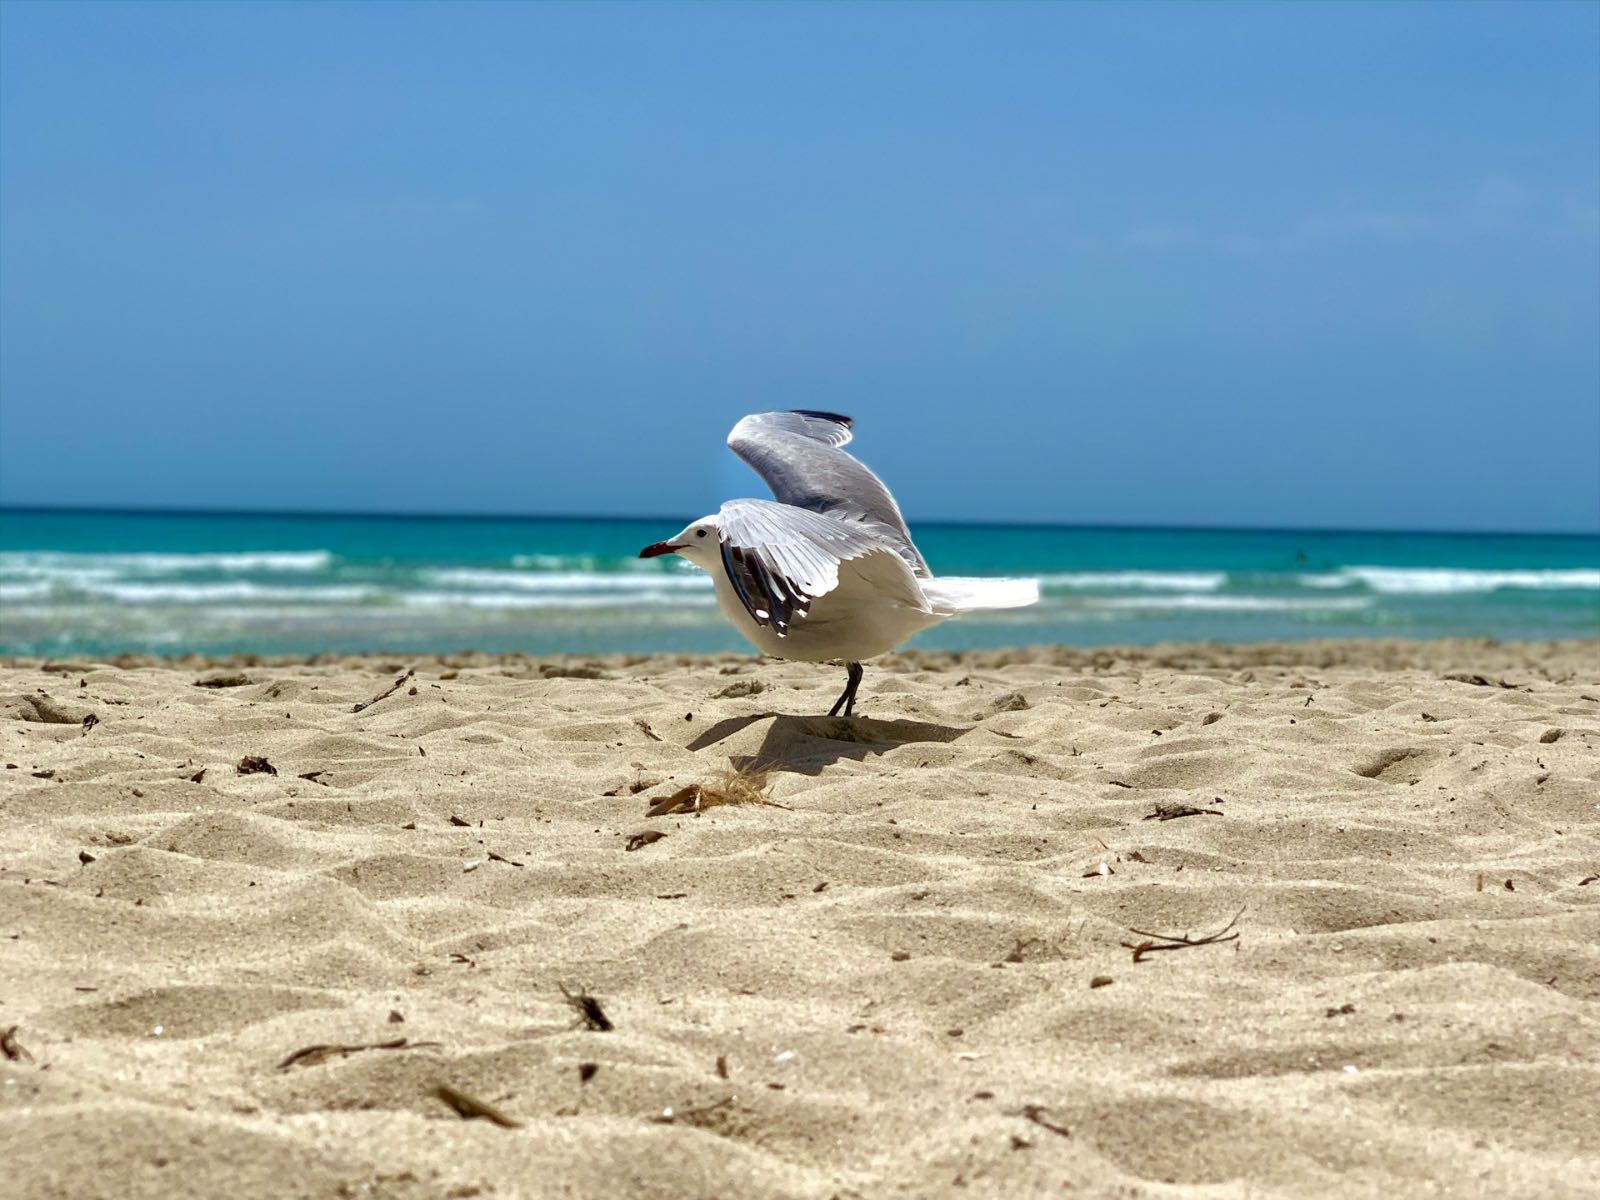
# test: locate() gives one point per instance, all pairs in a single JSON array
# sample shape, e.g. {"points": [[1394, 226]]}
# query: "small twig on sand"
{"points": [[312, 1055], [13, 1049], [1174, 941], [1036, 1114], [470, 1107], [1171, 812], [589, 1011], [387, 692]]}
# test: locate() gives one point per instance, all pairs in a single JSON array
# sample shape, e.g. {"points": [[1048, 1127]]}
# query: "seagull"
{"points": [[826, 570]]}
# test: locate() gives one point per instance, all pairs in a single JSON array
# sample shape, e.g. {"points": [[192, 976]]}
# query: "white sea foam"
{"points": [[69, 576], [40, 564], [10, 593], [1164, 581], [225, 591], [529, 600], [1444, 581], [595, 562], [1209, 603], [569, 581]]}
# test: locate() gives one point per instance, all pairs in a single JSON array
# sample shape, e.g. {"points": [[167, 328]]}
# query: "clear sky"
{"points": [[1280, 264]]}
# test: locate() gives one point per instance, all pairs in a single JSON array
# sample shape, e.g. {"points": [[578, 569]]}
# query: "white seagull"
{"points": [[827, 570]]}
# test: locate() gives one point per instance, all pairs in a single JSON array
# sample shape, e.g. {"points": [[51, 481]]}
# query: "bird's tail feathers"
{"points": [[951, 596]]}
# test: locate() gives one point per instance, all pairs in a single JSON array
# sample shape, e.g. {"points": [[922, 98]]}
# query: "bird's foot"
{"points": [[846, 703]]}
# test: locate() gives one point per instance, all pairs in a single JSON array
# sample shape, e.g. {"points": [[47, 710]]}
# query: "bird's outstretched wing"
{"points": [[799, 455], [780, 558]]}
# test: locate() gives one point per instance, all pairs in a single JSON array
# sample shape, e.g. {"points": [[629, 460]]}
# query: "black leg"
{"points": [[854, 672], [847, 698]]}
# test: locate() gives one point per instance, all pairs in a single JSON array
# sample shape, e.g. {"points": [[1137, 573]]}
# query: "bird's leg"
{"points": [[847, 698], [853, 673]]}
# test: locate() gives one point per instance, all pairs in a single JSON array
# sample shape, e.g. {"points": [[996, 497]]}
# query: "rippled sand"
{"points": [[914, 973]]}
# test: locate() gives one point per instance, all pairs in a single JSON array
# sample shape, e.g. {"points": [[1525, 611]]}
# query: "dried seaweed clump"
{"points": [[735, 785]]}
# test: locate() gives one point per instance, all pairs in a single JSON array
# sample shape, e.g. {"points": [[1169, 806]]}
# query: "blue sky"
{"points": [[1327, 265]]}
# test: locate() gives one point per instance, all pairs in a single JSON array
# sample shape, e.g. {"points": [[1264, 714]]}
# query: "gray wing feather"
{"points": [[799, 455], [780, 559]]}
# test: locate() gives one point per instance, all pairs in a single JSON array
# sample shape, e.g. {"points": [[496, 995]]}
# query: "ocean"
{"points": [[103, 583]]}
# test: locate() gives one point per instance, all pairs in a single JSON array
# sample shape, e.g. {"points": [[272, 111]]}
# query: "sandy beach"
{"points": [[1190, 921]]}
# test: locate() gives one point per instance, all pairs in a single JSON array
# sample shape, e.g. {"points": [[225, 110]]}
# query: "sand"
{"points": [[911, 974]]}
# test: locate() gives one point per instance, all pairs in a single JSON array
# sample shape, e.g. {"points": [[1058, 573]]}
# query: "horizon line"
{"points": [[368, 515]]}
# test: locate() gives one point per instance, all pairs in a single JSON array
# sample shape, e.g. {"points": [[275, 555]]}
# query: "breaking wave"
{"points": [[1449, 581], [1176, 581], [570, 581], [1210, 603], [45, 564]]}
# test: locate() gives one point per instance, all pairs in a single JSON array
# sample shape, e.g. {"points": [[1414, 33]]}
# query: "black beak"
{"points": [[657, 549]]}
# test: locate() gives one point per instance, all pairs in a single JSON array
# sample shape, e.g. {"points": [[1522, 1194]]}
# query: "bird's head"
{"points": [[698, 543]]}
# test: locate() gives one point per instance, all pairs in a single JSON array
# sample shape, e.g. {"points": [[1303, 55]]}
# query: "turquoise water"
{"points": [[104, 583]]}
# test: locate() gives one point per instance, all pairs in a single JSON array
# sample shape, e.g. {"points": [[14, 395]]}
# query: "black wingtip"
{"points": [[836, 418]]}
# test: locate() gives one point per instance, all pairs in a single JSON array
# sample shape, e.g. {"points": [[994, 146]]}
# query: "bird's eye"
{"points": [[699, 533]]}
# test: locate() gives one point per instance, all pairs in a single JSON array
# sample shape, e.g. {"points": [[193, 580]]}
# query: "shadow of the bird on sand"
{"points": [[805, 745]]}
